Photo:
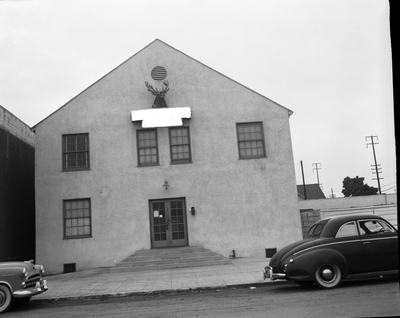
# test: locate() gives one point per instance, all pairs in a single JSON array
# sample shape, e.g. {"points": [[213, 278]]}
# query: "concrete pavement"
{"points": [[97, 283]]}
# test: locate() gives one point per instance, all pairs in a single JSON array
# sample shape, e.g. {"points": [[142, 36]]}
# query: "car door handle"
{"points": [[366, 242]]}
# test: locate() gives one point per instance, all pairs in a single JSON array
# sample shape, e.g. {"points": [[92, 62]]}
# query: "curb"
{"points": [[162, 291]]}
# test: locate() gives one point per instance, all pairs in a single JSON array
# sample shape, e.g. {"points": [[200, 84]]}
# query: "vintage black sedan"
{"points": [[19, 281], [336, 248]]}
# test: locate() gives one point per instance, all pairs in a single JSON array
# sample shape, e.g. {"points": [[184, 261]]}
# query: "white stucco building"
{"points": [[115, 174]]}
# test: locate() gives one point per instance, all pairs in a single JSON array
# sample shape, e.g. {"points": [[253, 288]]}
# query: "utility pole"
{"points": [[304, 183], [377, 167], [316, 169]]}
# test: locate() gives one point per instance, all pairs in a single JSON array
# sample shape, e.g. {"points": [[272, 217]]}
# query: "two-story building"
{"points": [[163, 151]]}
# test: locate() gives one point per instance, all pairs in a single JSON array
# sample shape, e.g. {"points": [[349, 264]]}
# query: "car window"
{"points": [[387, 227], [315, 230], [347, 229], [374, 227]]}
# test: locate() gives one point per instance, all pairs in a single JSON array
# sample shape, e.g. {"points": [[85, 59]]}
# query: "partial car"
{"points": [[19, 281], [337, 248]]}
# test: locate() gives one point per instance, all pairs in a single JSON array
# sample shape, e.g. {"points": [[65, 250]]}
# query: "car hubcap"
{"points": [[327, 274], [2, 299]]}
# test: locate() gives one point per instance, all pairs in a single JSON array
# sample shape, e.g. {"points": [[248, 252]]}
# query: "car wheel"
{"points": [[6, 299], [328, 276]]}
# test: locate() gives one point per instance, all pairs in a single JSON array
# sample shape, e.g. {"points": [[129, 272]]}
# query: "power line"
{"points": [[386, 185], [394, 187]]}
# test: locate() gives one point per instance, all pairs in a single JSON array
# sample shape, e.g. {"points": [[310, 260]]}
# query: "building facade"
{"points": [[163, 151], [17, 189]]}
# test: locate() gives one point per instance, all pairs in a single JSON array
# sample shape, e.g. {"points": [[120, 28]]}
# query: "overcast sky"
{"points": [[329, 61]]}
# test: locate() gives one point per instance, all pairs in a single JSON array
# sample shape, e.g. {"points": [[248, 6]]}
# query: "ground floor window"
{"points": [[77, 218]]}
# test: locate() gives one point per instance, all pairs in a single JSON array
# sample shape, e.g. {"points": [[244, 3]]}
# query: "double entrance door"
{"points": [[168, 223]]}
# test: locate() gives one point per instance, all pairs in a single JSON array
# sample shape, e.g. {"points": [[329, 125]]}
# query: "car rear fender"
{"points": [[304, 266]]}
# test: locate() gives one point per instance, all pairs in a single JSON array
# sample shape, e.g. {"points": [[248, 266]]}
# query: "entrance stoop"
{"points": [[170, 258]]}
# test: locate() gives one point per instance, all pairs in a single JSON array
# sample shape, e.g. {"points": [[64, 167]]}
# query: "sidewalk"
{"points": [[97, 283]]}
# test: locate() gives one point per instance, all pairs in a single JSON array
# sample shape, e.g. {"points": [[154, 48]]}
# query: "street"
{"points": [[369, 298]]}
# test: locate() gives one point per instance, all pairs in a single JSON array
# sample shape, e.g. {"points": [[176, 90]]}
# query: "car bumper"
{"points": [[39, 288], [268, 272]]}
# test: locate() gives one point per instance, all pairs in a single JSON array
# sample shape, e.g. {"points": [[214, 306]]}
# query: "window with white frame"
{"points": [[75, 149], [77, 218], [147, 147], [250, 140], [180, 145]]}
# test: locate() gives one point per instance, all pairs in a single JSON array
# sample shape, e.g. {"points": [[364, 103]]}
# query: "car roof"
{"points": [[353, 216], [333, 223]]}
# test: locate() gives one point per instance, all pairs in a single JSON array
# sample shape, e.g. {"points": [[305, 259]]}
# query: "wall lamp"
{"points": [[192, 210], [166, 185]]}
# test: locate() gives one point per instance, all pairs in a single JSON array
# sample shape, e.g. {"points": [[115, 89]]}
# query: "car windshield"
{"points": [[373, 226]]}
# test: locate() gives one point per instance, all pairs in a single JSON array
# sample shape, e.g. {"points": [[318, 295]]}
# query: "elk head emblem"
{"points": [[159, 94]]}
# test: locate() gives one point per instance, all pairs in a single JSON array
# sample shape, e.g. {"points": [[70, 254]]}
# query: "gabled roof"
{"points": [[290, 112], [313, 191]]}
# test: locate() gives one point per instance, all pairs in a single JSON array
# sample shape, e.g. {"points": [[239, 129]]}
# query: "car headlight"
{"points": [[39, 268]]}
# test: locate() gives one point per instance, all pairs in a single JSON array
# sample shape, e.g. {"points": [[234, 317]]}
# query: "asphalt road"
{"points": [[351, 299]]}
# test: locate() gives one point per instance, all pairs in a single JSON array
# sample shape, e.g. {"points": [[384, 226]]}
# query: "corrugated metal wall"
{"points": [[17, 198]]}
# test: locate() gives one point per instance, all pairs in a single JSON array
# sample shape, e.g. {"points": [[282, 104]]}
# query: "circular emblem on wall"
{"points": [[158, 73]]}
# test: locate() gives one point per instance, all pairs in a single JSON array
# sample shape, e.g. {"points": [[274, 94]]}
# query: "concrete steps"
{"points": [[169, 258]]}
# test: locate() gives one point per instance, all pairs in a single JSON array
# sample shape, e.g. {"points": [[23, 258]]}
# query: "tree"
{"points": [[353, 187]]}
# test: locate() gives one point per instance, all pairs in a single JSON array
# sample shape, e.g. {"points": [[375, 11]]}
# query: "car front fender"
{"points": [[304, 265]]}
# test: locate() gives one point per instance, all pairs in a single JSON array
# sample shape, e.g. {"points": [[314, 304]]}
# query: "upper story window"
{"points": [[147, 147], [77, 218], [75, 152], [251, 140], [180, 145]]}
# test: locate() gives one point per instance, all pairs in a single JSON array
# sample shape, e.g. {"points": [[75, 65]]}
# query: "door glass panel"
{"points": [[177, 220], [159, 226]]}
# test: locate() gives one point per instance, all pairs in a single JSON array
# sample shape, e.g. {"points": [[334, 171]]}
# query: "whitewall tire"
{"points": [[328, 276], [6, 299]]}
